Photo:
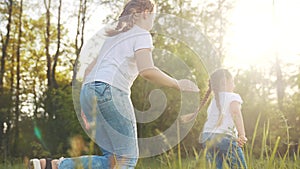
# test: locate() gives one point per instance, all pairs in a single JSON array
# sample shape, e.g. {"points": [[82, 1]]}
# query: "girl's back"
{"points": [[227, 126]]}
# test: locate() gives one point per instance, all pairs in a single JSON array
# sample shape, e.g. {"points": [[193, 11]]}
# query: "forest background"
{"points": [[41, 43]]}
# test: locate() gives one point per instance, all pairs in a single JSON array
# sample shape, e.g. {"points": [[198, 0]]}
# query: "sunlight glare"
{"points": [[260, 32]]}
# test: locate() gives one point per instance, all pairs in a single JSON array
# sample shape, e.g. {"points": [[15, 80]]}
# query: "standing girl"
{"points": [[107, 110], [223, 134]]}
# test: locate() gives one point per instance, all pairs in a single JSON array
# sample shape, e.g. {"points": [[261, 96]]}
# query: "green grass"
{"points": [[268, 158], [192, 163], [154, 163], [271, 161], [12, 166]]}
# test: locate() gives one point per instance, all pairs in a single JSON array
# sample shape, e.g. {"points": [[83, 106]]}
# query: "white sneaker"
{"points": [[34, 164], [60, 160]]}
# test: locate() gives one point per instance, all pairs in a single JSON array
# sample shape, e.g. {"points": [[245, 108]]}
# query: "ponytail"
{"points": [[215, 85], [221, 115], [218, 80], [207, 94], [129, 15], [188, 117]]}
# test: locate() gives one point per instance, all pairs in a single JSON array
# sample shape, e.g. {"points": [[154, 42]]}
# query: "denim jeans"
{"points": [[111, 123], [222, 147]]}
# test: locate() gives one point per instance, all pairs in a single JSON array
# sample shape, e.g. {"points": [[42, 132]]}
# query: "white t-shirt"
{"points": [[116, 63], [227, 126]]}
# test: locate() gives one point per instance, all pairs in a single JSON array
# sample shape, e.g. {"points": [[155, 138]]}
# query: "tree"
{"points": [[58, 47], [5, 42], [79, 39], [47, 4], [18, 73], [25, 90], [5, 93]]}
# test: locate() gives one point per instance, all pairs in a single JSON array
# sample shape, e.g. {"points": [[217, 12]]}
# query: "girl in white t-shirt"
{"points": [[223, 134], [107, 110]]}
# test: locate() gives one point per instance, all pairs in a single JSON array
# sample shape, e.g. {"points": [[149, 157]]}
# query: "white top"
{"points": [[227, 126], [116, 63]]}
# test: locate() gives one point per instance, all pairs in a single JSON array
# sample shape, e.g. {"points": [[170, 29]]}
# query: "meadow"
{"points": [[270, 157]]}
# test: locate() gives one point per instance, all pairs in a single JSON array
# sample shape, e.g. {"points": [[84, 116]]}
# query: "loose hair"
{"points": [[130, 14], [217, 83]]}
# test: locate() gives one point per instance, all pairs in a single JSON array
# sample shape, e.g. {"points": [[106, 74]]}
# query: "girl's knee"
{"points": [[66, 164], [126, 163]]}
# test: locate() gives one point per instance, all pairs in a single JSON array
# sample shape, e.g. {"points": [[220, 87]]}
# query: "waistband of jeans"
{"points": [[218, 134], [96, 82]]}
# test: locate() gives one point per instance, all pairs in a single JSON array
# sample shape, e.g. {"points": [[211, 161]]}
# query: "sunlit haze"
{"points": [[262, 31], [258, 32]]}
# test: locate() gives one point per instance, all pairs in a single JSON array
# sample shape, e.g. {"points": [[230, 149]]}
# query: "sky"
{"points": [[259, 32]]}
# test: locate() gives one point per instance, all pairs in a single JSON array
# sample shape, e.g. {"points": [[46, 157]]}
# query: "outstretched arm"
{"points": [[236, 113], [149, 72]]}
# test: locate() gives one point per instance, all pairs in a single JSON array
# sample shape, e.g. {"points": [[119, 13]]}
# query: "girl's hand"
{"points": [[242, 140], [187, 117], [187, 85], [86, 123]]}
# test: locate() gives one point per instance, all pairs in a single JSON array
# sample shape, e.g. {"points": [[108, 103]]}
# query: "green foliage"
{"points": [[17, 127], [50, 111], [38, 150]]}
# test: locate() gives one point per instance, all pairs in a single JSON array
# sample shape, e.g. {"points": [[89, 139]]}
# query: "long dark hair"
{"points": [[129, 15], [217, 84]]}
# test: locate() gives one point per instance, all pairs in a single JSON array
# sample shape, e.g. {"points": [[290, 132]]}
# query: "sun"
{"points": [[262, 31]]}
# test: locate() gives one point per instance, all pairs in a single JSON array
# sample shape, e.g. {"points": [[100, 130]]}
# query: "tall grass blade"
{"points": [[250, 160], [271, 160], [179, 147]]}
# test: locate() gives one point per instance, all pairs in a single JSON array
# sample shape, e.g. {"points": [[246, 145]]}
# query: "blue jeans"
{"points": [[110, 121], [222, 147]]}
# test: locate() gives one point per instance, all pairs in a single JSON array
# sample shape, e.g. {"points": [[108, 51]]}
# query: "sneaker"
{"points": [[34, 164], [60, 160]]}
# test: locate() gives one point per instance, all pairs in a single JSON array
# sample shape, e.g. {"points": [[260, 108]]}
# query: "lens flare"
{"points": [[37, 133]]}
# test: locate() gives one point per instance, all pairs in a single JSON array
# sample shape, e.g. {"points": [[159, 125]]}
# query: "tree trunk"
{"points": [[79, 39], [58, 46], [47, 43], [279, 85], [5, 43], [17, 103]]}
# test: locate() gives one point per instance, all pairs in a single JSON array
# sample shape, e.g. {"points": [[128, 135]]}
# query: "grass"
{"points": [[154, 163], [192, 163], [269, 161], [269, 157], [17, 165]]}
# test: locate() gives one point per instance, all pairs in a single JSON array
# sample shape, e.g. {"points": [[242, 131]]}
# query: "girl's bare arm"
{"points": [[239, 123], [149, 72]]}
